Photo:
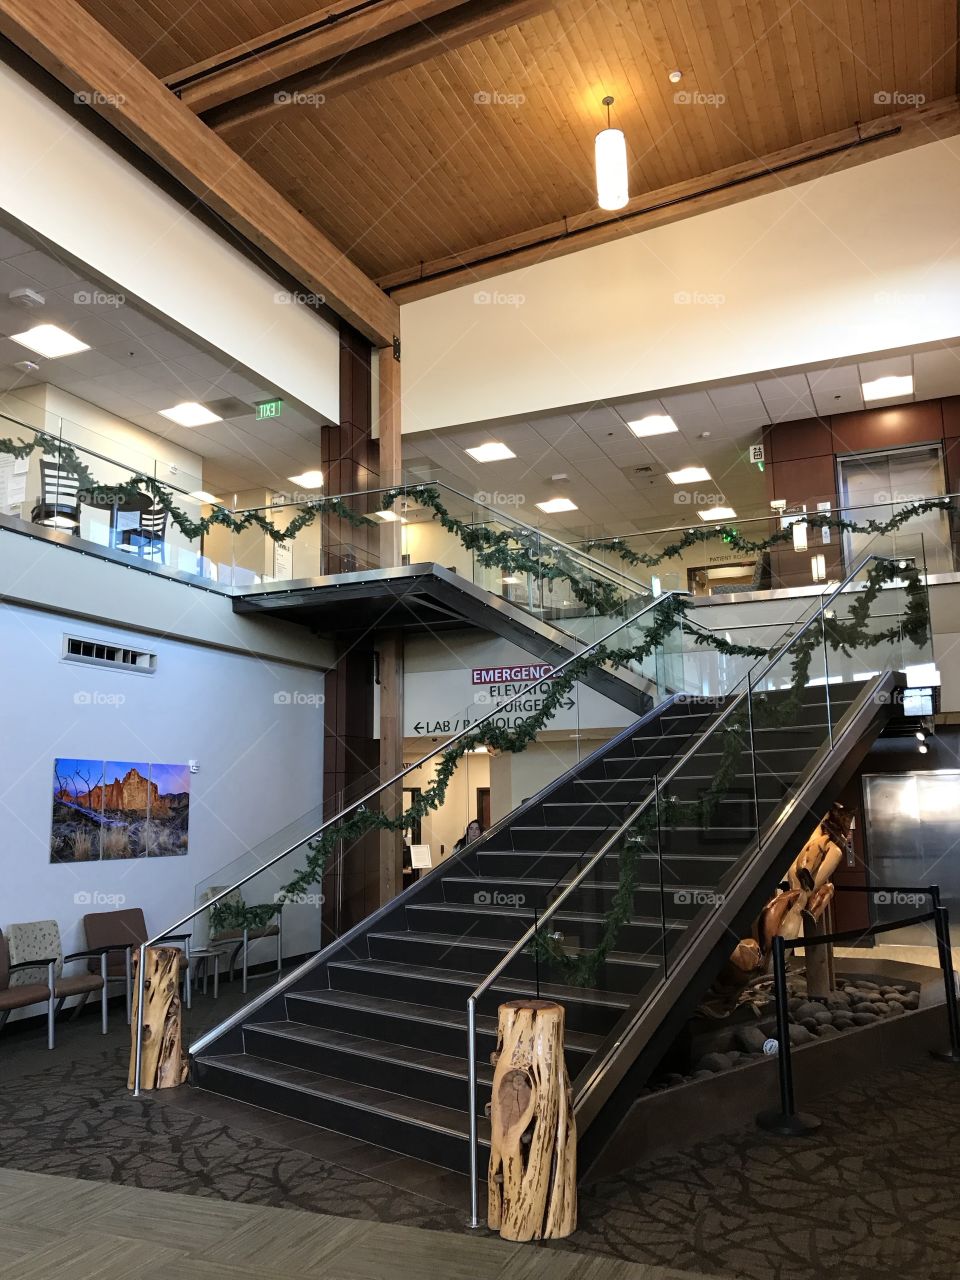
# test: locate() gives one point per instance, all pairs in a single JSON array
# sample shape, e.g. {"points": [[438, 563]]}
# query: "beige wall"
{"points": [[863, 260]]}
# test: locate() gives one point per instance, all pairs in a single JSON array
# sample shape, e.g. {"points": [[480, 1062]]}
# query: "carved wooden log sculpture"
{"points": [[788, 913], [532, 1183], [817, 920], [163, 1065]]}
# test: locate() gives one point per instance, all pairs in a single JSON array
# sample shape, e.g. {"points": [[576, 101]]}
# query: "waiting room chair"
{"points": [[124, 932], [27, 993], [59, 504], [33, 945], [148, 538], [242, 938]]}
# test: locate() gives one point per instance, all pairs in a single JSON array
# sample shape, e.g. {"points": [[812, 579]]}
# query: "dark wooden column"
{"points": [[359, 754]]}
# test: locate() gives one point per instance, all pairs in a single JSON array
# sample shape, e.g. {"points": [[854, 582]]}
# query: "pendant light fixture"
{"points": [[611, 161]]}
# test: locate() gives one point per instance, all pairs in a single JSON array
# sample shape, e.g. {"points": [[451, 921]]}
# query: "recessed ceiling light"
{"points": [[190, 414], [308, 480], [389, 517], [688, 475], [885, 388], [717, 513], [654, 424], [50, 341], [492, 451], [201, 495], [675, 76], [554, 505]]}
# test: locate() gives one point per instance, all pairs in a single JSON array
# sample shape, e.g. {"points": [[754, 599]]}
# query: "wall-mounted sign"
{"points": [[500, 675], [269, 408]]}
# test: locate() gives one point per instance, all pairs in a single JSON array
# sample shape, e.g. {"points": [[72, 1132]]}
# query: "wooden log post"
{"points": [[163, 1064], [532, 1183]]}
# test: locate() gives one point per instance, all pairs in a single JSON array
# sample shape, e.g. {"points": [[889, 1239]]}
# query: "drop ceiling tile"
{"points": [[46, 268], [892, 366], [936, 373]]}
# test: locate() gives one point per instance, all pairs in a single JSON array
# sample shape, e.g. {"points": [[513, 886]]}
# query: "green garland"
{"points": [[729, 534], [582, 967], [106, 495]]}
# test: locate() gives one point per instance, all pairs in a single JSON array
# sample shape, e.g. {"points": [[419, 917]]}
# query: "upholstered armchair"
{"points": [[22, 994], [123, 932], [36, 956]]}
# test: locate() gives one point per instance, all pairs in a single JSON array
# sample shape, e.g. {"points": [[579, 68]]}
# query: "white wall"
{"points": [[862, 260], [70, 186], [261, 766]]}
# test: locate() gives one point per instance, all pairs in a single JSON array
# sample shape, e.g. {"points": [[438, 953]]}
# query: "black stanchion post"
{"points": [[942, 923], [787, 1121]]}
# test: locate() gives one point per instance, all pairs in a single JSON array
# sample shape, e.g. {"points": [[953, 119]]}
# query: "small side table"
{"points": [[203, 956]]}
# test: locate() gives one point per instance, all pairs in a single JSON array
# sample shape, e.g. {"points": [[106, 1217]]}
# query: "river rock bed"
{"points": [[857, 1002]]}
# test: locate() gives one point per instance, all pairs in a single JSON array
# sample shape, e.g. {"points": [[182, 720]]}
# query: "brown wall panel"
{"points": [[893, 428], [793, 441], [950, 409]]}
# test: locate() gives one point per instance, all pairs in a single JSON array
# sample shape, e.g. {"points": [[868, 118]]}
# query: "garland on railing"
{"points": [[96, 494], [583, 966], [729, 534]]}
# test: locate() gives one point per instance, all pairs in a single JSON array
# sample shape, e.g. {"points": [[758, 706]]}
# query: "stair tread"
{"points": [[499, 944], [347, 1092], [584, 1041], [461, 977], [367, 1046], [518, 913], [535, 882]]}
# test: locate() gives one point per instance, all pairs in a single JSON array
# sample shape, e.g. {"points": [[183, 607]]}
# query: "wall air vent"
{"points": [[101, 653]]}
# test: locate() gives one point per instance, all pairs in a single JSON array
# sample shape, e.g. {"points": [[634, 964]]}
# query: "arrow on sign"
{"points": [[418, 727]]}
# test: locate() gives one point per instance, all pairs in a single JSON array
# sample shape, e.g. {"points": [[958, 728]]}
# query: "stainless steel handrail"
{"points": [[409, 490], [749, 680], [356, 804], [836, 509]]}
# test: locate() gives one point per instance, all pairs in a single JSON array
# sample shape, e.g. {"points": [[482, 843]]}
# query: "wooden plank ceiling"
{"points": [[493, 138]]}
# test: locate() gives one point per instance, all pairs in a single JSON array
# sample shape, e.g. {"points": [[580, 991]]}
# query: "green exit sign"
{"points": [[269, 408]]}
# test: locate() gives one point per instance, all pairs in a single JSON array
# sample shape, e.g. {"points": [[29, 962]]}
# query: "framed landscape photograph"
{"points": [[117, 809]]}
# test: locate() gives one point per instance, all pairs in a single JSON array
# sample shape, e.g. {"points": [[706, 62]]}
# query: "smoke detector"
{"points": [[28, 299], [26, 366]]}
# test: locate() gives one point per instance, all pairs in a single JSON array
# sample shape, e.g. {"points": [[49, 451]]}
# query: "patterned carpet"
{"points": [[875, 1194]]}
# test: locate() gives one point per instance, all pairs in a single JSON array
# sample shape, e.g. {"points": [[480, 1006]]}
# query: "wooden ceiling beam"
{"points": [[67, 42], [374, 55], [786, 168], [338, 28]]}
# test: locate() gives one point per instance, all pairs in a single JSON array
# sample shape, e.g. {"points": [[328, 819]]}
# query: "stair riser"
{"points": [[405, 1137], [566, 838], [636, 938], [380, 1026], [681, 867], [397, 1077], [590, 896], [443, 994], [625, 978]]}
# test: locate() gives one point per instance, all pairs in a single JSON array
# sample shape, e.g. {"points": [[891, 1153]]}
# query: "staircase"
{"points": [[370, 1037]]}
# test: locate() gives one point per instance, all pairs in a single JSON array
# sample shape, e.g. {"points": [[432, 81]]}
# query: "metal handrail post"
{"points": [[472, 1085], [786, 1121], [941, 921]]}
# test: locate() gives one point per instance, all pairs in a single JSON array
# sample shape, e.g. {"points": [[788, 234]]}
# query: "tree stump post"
{"points": [[532, 1182], [821, 977], [163, 1065]]}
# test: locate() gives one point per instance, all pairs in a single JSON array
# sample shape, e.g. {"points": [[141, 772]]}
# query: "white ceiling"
{"points": [[603, 460], [138, 365]]}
